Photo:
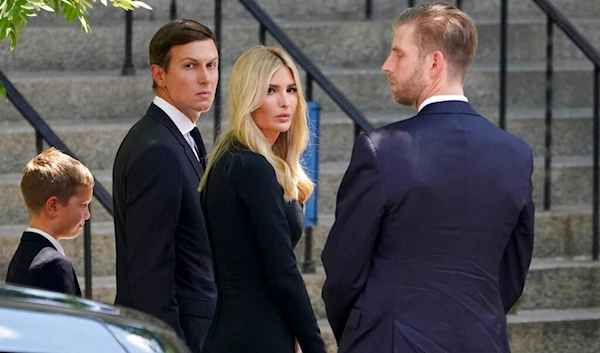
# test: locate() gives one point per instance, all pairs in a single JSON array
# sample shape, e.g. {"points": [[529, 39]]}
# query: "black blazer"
{"points": [[433, 236], [164, 264], [263, 304], [37, 263]]}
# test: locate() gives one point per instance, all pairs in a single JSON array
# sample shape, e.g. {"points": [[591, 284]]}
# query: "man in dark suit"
{"points": [[164, 264], [57, 190], [433, 234]]}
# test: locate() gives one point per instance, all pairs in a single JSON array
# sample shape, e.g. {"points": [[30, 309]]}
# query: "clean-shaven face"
{"points": [[278, 107]]}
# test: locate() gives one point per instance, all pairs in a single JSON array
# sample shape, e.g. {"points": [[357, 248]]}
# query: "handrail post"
{"points": [[309, 87], [262, 34], [217, 100], [503, 61], [459, 4], [549, 93], [173, 10], [128, 68], [596, 196], [411, 3], [39, 142], [368, 9], [357, 130], [87, 256]]}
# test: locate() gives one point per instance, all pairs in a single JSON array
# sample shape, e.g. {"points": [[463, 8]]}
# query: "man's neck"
{"points": [[194, 116], [446, 90], [41, 225]]}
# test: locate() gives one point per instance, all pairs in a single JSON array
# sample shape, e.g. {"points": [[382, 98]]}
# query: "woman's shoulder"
{"points": [[248, 161]]}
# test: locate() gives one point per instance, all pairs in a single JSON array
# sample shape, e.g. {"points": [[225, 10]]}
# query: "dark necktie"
{"points": [[200, 149]]}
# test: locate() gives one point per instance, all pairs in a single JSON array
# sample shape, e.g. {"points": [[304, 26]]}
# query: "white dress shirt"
{"points": [[183, 123], [49, 237], [442, 98]]}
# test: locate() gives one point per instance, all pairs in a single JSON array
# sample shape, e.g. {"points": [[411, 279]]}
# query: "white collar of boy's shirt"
{"points": [[183, 123], [442, 98], [50, 238]]}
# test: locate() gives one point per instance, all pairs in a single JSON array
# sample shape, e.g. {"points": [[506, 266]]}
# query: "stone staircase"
{"points": [[74, 82]]}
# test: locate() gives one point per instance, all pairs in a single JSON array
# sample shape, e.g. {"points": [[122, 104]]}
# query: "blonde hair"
{"points": [[248, 85], [52, 173], [445, 28]]}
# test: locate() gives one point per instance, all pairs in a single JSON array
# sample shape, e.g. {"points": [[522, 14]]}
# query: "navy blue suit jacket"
{"points": [[164, 262], [38, 264], [433, 236]]}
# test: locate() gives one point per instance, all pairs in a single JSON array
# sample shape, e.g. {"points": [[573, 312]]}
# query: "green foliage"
{"points": [[15, 14]]}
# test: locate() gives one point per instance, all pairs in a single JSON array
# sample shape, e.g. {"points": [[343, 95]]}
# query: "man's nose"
{"points": [[387, 65]]}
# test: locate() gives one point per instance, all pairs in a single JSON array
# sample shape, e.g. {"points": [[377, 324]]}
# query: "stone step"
{"points": [[107, 95], [537, 331], [571, 182], [65, 48], [571, 186], [96, 142], [311, 9], [560, 234], [564, 234], [551, 284]]}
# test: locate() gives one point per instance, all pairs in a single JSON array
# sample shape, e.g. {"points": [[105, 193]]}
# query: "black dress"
{"points": [[262, 302]]}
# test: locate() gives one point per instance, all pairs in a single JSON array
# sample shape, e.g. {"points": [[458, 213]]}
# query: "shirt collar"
{"points": [[183, 123], [442, 98], [50, 238]]}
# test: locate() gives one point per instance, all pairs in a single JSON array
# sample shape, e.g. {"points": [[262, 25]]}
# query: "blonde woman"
{"points": [[253, 189]]}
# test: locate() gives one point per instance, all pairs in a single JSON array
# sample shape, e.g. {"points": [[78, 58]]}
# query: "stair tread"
{"points": [[513, 66], [527, 316]]}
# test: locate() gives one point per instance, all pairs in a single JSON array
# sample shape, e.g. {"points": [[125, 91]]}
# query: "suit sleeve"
{"points": [[257, 186], [153, 200], [55, 275], [348, 251], [517, 255]]}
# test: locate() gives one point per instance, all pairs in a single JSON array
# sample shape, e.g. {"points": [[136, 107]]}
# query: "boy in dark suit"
{"points": [[57, 190]]}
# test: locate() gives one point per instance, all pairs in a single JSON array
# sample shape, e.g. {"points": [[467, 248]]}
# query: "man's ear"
{"points": [[438, 62], [51, 206], [158, 75]]}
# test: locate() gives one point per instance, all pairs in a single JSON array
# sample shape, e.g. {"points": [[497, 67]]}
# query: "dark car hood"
{"points": [[41, 300]]}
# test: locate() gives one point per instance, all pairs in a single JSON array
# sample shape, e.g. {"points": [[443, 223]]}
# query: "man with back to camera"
{"points": [[433, 235], [164, 264]]}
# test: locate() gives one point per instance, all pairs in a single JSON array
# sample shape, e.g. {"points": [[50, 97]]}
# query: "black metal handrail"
{"points": [[556, 17], [44, 132], [312, 72]]}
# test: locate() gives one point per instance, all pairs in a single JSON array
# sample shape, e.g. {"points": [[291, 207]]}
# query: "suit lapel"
{"points": [[159, 115]]}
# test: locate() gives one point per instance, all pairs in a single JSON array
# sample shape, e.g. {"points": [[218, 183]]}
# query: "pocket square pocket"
{"points": [[354, 318]]}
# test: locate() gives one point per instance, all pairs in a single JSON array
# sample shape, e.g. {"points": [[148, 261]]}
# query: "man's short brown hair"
{"points": [[445, 28], [176, 32], [52, 173]]}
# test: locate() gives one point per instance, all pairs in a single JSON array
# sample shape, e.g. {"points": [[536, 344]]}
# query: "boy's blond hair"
{"points": [[52, 173]]}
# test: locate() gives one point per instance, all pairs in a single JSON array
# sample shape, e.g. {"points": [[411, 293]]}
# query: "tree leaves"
{"points": [[15, 14]]}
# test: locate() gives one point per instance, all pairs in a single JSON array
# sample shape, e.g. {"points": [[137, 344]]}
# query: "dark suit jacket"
{"points": [[37, 263], [263, 303], [433, 236], [164, 264]]}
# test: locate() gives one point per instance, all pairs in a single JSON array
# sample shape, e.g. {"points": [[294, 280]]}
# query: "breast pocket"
{"points": [[354, 318]]}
